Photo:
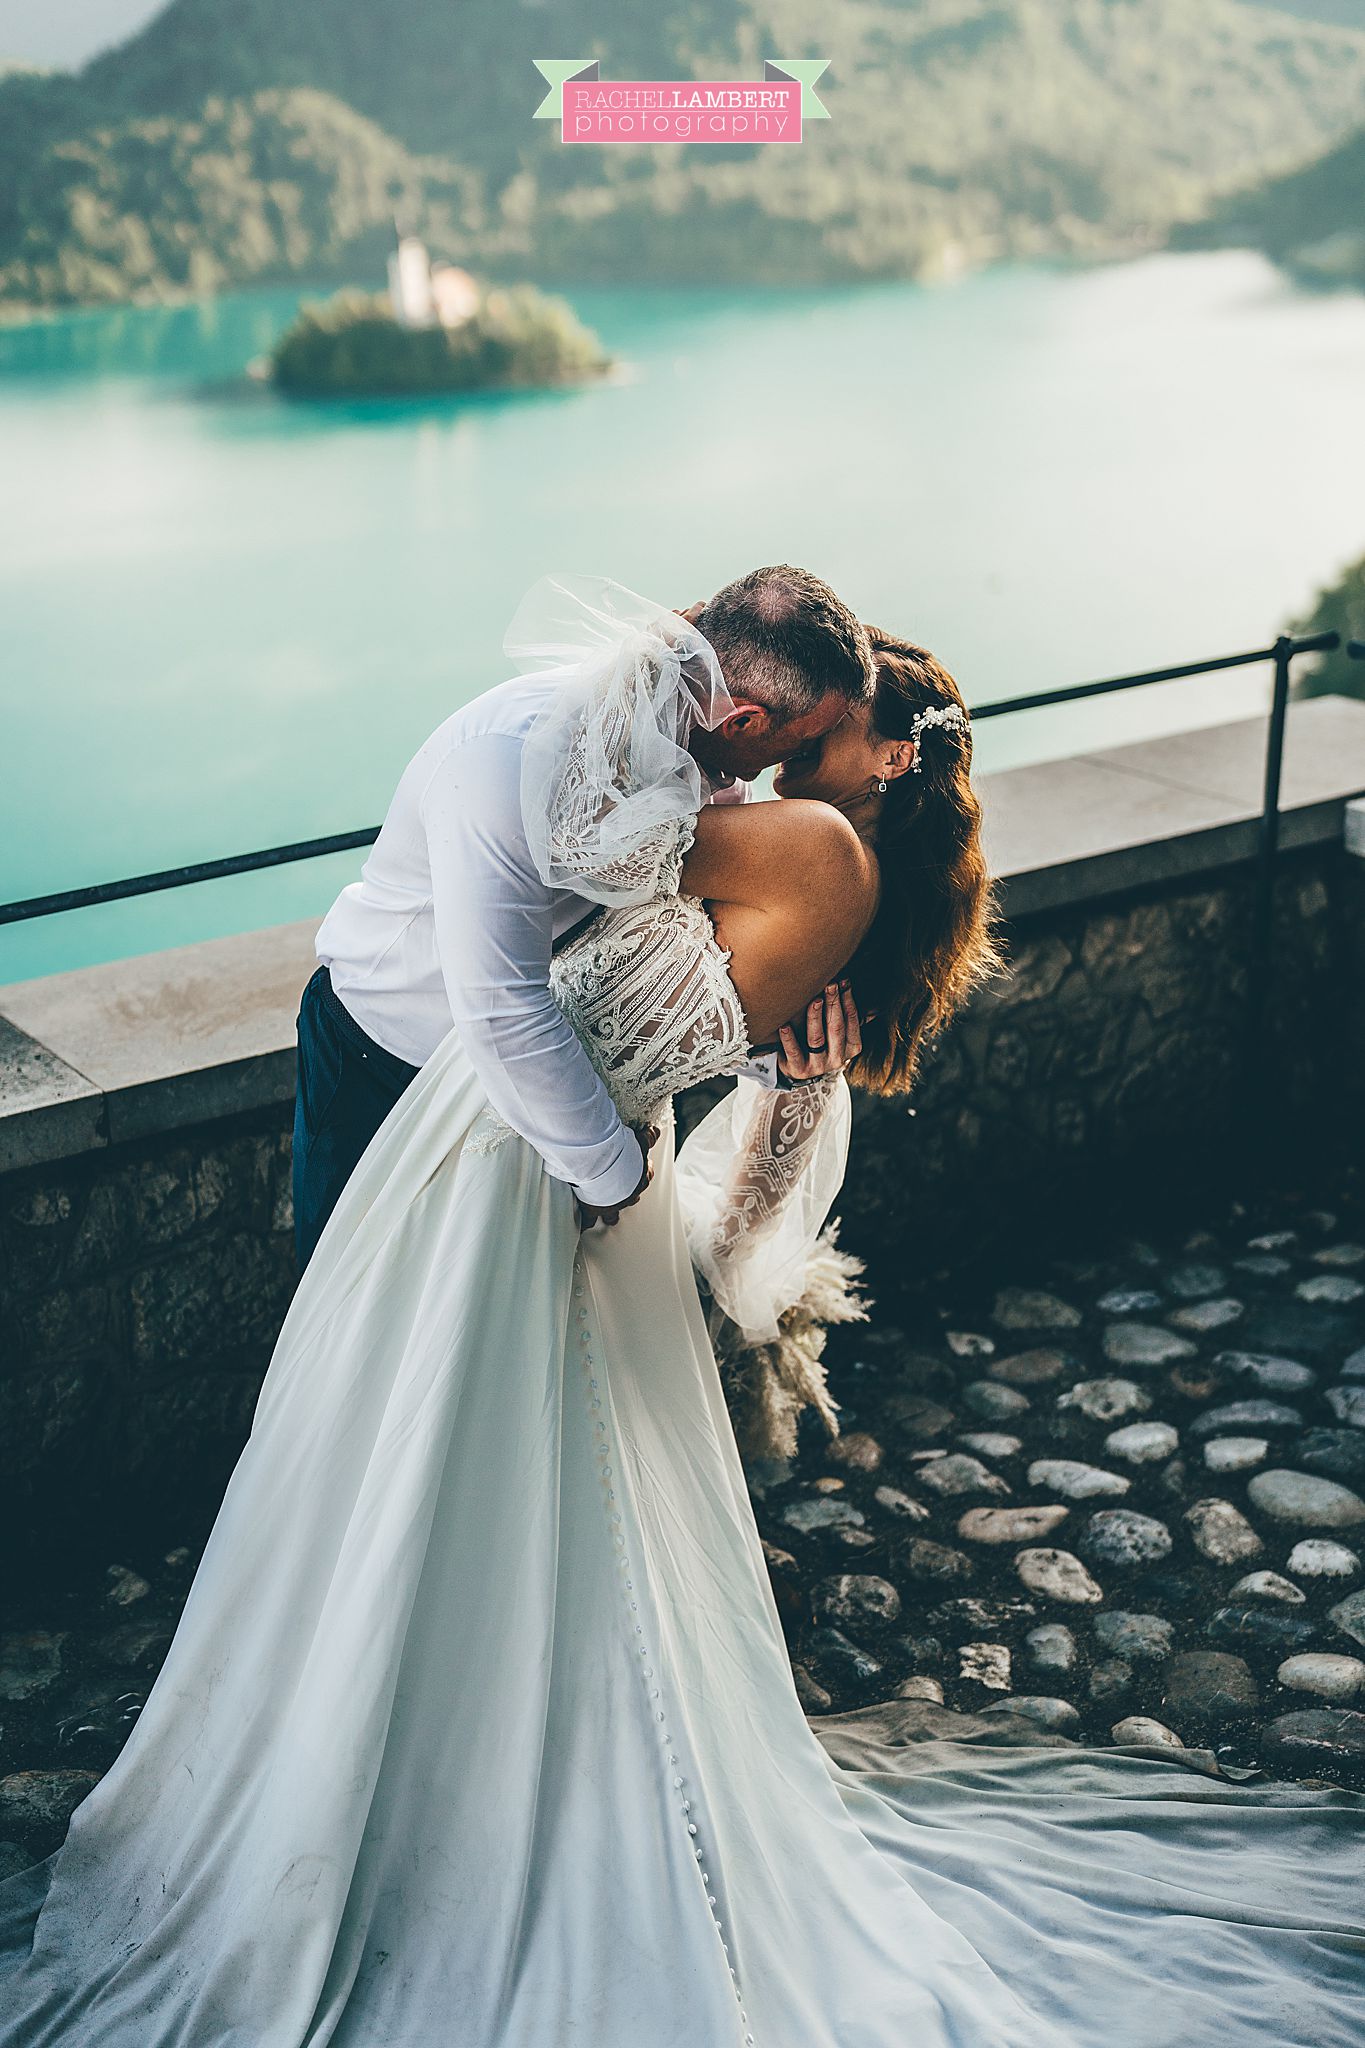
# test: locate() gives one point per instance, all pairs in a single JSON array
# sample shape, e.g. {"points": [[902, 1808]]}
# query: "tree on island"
{"points": [[464, 338], [1339, 609]]}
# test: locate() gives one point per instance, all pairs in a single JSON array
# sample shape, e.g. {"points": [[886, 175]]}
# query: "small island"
{"points": [[437, 329]]}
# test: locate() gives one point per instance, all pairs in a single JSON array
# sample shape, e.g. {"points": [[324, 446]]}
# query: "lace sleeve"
{"points": [[756, 1180], [609, 791]]}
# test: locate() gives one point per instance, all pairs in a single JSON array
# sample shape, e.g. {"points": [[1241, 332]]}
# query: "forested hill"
{"points": [[1311, 220], [236, 141]]}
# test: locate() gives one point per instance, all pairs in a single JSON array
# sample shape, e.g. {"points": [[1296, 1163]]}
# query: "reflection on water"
{"points": [[228, 618]]}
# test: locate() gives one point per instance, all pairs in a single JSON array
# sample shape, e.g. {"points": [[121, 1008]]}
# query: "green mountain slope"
{"points": [[1312, 220], [236, 140]]}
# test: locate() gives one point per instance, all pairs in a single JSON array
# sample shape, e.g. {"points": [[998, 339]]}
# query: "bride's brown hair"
{"points": [[933, 938]]}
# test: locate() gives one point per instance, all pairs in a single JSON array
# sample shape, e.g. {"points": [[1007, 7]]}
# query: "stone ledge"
{"points": [[1355, 827], [168, 1040]]}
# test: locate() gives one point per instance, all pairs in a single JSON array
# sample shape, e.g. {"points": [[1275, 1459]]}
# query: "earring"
{"points": [[881, 787]]}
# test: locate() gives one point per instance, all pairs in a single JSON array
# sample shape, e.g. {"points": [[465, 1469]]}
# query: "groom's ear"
{"points": [[746, 718]]}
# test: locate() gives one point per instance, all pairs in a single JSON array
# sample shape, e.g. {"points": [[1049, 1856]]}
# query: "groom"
{"points": [[451, 924]]}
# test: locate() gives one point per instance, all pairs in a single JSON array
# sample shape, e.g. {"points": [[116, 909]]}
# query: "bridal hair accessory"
{"points": [[952, 715], [609, 792]]}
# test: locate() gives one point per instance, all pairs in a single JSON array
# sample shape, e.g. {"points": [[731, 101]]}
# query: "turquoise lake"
{"points": [[226, 620]]}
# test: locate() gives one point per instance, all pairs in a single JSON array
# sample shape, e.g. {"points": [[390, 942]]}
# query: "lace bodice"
{"points": [[647, 988]]}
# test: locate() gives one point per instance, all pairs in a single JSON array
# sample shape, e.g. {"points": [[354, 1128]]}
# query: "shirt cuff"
{"points": [[761, 1068], [620, 1180]]}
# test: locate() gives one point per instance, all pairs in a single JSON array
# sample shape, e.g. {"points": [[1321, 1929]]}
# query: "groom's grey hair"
{"points": [[784, 640]]}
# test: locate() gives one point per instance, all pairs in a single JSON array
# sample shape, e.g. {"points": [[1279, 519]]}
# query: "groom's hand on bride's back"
{"points": [[648, 1135]]}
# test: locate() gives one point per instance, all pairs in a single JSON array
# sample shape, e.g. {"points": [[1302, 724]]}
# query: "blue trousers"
{"points": [[346, 1087]]}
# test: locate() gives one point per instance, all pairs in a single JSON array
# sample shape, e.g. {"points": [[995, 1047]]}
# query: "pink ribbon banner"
{"points": [[596, 110]]}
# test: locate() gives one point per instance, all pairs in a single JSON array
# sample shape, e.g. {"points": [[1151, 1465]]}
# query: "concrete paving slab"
{"points": [[47, 1110], [175, 1038], [1324, 756]]}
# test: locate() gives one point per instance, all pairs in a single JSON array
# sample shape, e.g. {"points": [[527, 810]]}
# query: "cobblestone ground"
{"points": [[1123, 1497]]}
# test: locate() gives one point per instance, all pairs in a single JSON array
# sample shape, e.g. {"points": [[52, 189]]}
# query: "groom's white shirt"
{"points": [[450, 924]]}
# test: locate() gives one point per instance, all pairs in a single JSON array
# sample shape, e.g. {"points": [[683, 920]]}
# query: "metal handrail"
{"points": [[1283, 653]]}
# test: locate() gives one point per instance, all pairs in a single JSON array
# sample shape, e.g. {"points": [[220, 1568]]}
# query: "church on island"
{"points": [[427, 294]]}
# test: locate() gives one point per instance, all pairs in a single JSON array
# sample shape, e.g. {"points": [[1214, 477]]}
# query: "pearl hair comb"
{"points": [[951, 715]]}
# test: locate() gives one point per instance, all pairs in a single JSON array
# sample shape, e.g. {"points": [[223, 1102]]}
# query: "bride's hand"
{"points": [[833, 1036]]}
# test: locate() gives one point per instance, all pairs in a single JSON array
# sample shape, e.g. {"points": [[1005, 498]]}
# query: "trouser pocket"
{"points": [[321, 1056]]}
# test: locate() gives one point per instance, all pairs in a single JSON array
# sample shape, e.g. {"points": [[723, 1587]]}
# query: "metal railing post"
{"points": [[1267, 846]]}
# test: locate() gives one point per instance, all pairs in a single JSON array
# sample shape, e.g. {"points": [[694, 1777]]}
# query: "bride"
{"points": [[479, 1730]]}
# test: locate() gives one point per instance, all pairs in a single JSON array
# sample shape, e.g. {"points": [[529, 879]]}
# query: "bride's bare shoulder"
{"points": [[755, 852]]}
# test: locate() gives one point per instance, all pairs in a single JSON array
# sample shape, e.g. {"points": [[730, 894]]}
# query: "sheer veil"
{"points": [[609, 791]]}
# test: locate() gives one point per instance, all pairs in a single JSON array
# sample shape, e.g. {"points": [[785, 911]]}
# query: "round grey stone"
{"points": [[1140, 1731], [1349, 1616], [933, 1563], [897, 1503], [1268, 1627], [1269, 1586], [1221, 1532], [1030, 1368], [1242, 1418], [1317, 1739], [1317, 1671], [1144, 1345], [1110, 1679], [1106, 1400], [812, 1695], [958, 1473], [841, 1658], [1317, 1557], [29, 1662], [1142, 1443], [1348, 1405], [1193, 1280], [1128, 1301], [994, 1403], [43, 1799], [921, 1688], [857, 1451], [1209, 1689], [969, 1343], [1010, 1525], [1057, 1575], [1051, 1647], [1201, 1316], [986, 1663], [1140, 1638], [1059, 1717], [1337, 1453], [858, 1597], [1234, 1453], [1273, 1375], [125, 1586], [1026, 1308], [1122, 1537], [136, 1645], [1075, 1480], [1338, 1288], [1306, 1498], [991, 1443], [824, 1512]]}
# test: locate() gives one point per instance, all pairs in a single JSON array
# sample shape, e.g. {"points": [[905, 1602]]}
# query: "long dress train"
{"points": [[479, 1731]]}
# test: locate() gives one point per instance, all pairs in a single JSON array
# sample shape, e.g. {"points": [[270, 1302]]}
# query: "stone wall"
{"points": [[142, 1286], [1115, 1055]]}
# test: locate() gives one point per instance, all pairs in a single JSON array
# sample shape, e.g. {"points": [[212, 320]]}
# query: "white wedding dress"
{"points": [[479, 1730]]}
